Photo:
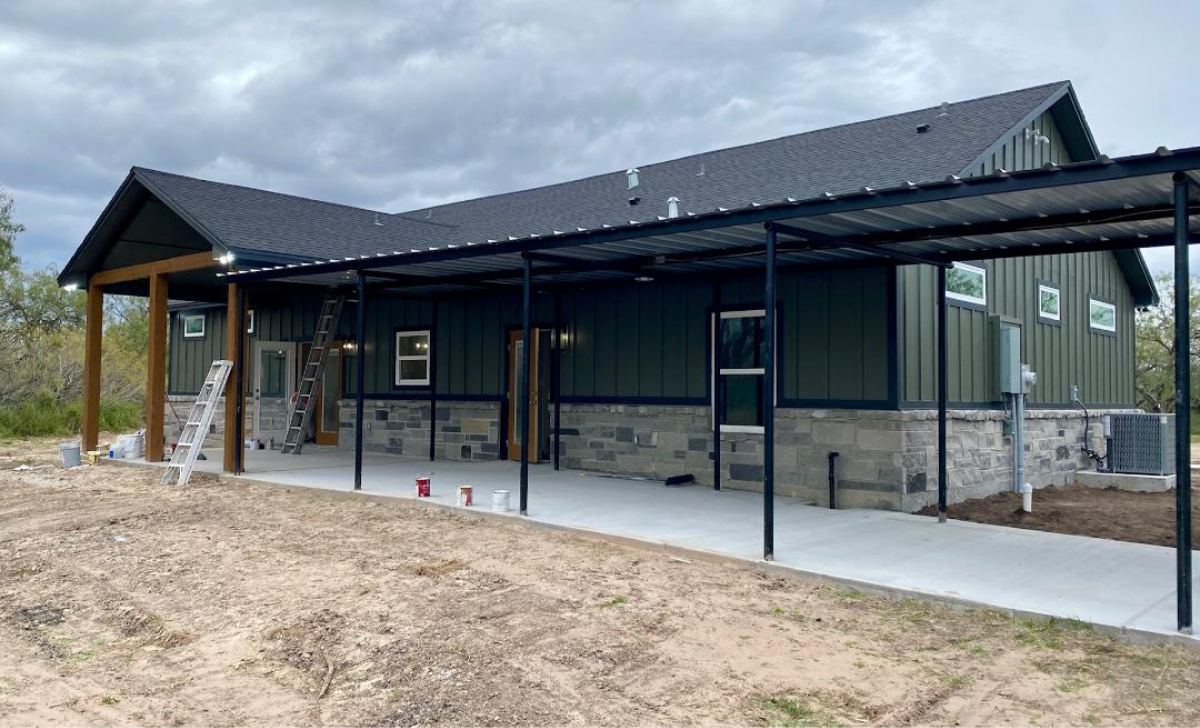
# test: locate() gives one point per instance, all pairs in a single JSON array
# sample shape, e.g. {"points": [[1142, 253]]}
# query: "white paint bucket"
{"points": [[500, 501], [69, 452]]}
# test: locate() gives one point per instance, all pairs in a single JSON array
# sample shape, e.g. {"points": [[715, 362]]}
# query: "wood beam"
{"points": [[93, 336], [234, 400], [156, 368], [178, 264]]}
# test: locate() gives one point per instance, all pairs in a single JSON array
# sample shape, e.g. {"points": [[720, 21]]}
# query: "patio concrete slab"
{"points": [[1109, 583]]}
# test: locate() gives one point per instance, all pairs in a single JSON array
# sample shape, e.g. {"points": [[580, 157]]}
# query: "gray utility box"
{"points": [[1006, 356], [1142, 443]]}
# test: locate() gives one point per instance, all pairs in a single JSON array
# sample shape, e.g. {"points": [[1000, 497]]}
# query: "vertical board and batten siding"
{"points": [[1071, 353], [188, 360]]}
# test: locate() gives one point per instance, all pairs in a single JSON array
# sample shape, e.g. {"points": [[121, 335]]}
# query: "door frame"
{"points": [[289, 348], [321, 436], [512, 445]]}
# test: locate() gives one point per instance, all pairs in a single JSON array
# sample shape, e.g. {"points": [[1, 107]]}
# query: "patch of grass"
{"points": [[787, 712], [1048, 634], [110, 700], [44, 416], [615, 602], [850, 595], [1070, 684]]}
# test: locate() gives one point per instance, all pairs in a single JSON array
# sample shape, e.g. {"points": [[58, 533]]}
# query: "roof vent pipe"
{"points": [[672, 207], [631, 178], [945, 110]]}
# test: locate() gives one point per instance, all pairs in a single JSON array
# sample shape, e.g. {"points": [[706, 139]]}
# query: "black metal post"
{"points": [[526, 371], [943, 388], [360, 369], [433, 384], [833, 456], [555, 372], [1183, 410], [717, 413], [239, 423], [769, 404]]}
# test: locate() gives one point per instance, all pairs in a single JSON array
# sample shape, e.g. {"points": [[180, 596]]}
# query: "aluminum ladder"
{"points": [[301, 407], [191, 438]]}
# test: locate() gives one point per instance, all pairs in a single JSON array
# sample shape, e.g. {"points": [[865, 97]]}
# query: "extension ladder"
{"points": [[301, 407], [191, 438]]}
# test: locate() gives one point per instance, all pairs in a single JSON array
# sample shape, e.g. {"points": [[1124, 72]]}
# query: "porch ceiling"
{"points": [[1109, 204]]}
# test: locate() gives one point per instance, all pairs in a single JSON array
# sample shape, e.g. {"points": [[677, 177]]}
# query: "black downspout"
{"points": [[833, 456], [360, 370], [717, 414], [769, 404], [942, 392], [556, 374], [433, 337], [1183, 409], [239, 425], [526, 370]]}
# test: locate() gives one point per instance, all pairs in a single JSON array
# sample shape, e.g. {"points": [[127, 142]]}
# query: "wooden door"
{"points": [[327, 414], [516, 350]]}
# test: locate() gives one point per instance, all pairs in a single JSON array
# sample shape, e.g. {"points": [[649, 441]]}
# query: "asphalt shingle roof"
{"points": [[879, 153]]}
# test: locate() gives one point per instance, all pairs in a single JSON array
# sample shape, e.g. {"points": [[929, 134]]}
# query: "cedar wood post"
{"points": [[93, 335], [234, 395], [156, 368]]}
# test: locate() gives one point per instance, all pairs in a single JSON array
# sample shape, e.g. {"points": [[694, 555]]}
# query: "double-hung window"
{"points": [[740, 369], [412, 358]]}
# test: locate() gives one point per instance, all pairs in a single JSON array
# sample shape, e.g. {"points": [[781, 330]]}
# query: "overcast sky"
{"points": [[394, 106]]}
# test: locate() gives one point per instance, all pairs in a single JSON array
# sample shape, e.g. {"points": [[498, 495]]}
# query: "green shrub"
{"points": [[44, 416]]}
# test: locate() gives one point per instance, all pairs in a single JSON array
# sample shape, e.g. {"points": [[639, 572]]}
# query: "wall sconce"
{"points": [[350, 347], [564, 338]]}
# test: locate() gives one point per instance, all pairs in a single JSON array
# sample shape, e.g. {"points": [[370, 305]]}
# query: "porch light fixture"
{"points": [[225, 258], [644, 279], [71, 287]]}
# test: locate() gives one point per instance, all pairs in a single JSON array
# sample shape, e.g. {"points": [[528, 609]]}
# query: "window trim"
{"points": [[717, 317], [962, 299], [1092, 302], [427, 357], [249, 321], [1042, 316], [185, 317]]}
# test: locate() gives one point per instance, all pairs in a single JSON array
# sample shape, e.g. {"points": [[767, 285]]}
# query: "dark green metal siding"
{"points": [[188, 360], [1063, 355]]}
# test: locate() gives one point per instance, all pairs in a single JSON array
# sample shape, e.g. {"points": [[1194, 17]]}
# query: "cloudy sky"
{"points": [[397, 105]]}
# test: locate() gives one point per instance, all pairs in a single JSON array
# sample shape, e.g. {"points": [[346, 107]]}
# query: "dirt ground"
{"points": [[1115, 514], [126, 603]]}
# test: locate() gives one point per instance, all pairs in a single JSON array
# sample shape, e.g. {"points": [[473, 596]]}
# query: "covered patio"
{"points": [[1107, 583]]}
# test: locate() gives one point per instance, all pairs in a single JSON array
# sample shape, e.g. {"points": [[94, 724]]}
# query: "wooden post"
{"points": [[156, 368], [233, 331], [93, 335]]}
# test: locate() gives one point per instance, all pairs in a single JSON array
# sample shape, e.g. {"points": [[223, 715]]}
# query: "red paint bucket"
{"points": [[424, 485], [466, 495]]}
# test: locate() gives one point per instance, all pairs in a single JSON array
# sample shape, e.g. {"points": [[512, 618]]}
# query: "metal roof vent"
{"points": [[945, 110], [631, 178], [923, 128], [672, 207]]}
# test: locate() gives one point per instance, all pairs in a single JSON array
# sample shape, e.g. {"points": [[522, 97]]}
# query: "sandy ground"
{"points": [[1101, 513], [123, 602]]}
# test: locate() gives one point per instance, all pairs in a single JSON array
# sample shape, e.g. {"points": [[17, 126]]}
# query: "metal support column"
{"points": [[239, 410], [433, 384], [1183, 410], [556, 372], [768, 406], [360, 370], [942, 392], [526, 367], [717, 414]]}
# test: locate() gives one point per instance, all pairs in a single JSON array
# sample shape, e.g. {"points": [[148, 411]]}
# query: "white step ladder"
{"points": [[301, 408], [191, 438]]}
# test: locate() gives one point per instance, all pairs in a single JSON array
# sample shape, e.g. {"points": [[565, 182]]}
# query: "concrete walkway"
{"points": [[1108, 583]]}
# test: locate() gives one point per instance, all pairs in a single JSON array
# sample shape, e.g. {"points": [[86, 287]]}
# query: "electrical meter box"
{"points": [[1007, 352]]}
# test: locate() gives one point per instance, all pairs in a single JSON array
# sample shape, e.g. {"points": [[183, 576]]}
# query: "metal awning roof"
{"points": [[1108, 204]]}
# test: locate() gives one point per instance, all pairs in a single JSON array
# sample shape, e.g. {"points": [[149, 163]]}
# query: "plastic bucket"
{"points": [[500, 501], [69, 451], [424, 487], [116, 452], [466, 495]]}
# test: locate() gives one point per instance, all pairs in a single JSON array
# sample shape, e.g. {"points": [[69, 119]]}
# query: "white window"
{"points": [[739, 366], [967, 283], [1049, 302], [1103, 315], [250, 321], [193, 326], [412, 358]]}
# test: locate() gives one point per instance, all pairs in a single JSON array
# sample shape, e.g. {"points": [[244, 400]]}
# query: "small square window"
{"points": [[967, 283], [1049, 302], [193, 326], [412, 358], [1102, 315], [250, 321]]}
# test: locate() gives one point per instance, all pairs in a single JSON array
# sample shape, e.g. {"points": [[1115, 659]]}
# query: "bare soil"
{"points": [[1073, 509], [126, 603]]}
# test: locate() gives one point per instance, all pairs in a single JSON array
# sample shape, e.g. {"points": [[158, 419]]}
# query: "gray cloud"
{"points": [[399, 105]]}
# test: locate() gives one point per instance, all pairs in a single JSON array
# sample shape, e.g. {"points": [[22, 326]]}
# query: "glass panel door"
{"points": [[274, 384], [331, 393]]}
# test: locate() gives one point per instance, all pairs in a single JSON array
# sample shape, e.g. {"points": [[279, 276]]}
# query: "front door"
{"points": [[274, 383], [516, 425], [327, 414]]}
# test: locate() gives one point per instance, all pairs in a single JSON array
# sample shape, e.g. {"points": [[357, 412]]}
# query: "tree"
{"points": [[1156, 349], [9, 230]]}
